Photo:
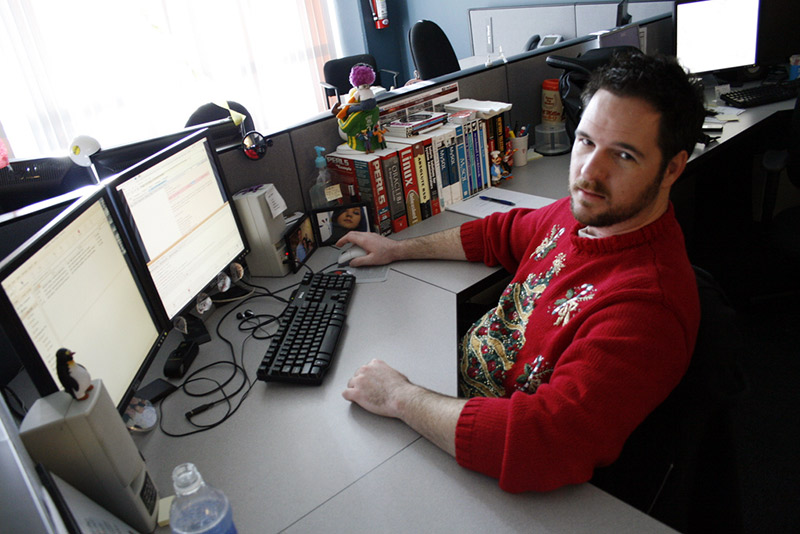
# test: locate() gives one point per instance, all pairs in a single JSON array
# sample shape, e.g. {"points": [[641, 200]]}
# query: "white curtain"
{"points": [[122, 71]]}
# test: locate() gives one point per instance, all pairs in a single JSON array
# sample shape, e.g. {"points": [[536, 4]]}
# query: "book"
{"points": [[461, 161], [390, 161], [439, 143], [426, 172], [416, 123], [368, 173], [408, 175]]}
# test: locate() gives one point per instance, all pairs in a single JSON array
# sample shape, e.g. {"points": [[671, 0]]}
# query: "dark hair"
{"points": [[661, 82]]}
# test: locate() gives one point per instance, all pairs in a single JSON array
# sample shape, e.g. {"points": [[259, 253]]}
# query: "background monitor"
{"points": [[181, 222], [778, 32], [75, 285], [224, 134], [25, 182], [714, 35]]}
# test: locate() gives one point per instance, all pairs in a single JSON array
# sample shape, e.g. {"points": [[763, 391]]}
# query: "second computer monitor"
{"points": [[181, 221]]}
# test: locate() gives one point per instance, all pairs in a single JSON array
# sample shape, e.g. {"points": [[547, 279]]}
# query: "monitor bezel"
{"points": [[17, 334], [128, 225], [224, 135]]}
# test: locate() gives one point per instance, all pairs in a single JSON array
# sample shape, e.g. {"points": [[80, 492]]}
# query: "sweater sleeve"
{"points": [[617, 370]]}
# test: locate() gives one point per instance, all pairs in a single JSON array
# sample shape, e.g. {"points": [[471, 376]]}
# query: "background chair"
{"points": [[679, 465], [431, 50], [337, 75]]}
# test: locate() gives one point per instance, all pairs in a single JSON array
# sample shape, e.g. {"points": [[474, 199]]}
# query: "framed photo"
{"points": [[301, 242], [333, 223]]}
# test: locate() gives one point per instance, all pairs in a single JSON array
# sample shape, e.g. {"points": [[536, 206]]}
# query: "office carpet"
{"points": [[768, 432]]}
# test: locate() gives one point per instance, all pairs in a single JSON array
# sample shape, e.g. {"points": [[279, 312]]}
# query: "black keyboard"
{"points": [[762, 94], [308, 331]]}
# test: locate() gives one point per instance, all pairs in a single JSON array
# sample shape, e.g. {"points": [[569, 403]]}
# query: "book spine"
{"points": [[442, 169], [421, 173], [461, 159], [394, 188], [476, 145], [369, 176], [470, 150], [484, 150], [454, 187], [410, 188], [433, 178], [500, 133]]}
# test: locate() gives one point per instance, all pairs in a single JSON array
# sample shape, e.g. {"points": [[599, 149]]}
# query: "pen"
{"points": [[498, 200]]}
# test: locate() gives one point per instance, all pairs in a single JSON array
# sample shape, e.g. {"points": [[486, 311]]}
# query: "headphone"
{"points": [[247, 314]]}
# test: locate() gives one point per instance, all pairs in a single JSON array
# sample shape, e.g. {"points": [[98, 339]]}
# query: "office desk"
{"points": [[302, 459]]}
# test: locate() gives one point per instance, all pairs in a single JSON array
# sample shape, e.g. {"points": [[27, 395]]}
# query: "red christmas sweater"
{"points": [[590, 336]]}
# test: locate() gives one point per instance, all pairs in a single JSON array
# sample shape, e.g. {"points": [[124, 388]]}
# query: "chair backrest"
{"points": [[337, 71], [431, 50], [679, 464]]}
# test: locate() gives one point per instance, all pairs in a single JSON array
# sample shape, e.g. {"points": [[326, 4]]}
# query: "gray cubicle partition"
{"points": [[511, 27], [289, 163]]}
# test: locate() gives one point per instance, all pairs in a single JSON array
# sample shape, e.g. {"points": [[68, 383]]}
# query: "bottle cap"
{"points": [[186, 479], [320, 160]]}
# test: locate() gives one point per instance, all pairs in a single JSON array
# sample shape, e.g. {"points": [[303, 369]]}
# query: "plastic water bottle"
{"points": [[198, 508]]}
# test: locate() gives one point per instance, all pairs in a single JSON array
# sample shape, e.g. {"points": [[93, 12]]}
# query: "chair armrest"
{"points": [[394, 77]]}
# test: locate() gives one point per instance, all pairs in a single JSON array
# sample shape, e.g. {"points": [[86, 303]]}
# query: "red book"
{"points": [[410, 187]]}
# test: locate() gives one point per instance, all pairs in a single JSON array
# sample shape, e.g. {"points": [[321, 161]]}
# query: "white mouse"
{"points": [[348, 254]]}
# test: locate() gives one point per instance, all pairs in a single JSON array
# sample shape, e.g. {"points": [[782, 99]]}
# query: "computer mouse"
{"points": [[349, 254]]}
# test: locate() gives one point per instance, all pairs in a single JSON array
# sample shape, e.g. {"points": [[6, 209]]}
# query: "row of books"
{"points": [[417, 177]]}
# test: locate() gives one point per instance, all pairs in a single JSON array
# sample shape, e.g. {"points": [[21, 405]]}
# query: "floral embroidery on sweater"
{"points": [[548, 243], [565, 307]]}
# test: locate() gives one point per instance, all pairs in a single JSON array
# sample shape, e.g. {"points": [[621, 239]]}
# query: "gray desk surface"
{"points": [[303, 459]]}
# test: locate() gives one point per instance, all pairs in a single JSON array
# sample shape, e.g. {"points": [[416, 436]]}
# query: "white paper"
{"points": [[477, 207], [274, 200]]}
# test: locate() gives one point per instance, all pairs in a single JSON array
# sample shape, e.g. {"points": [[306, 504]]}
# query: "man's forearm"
{"points": [[444, 245], [431, 414]]}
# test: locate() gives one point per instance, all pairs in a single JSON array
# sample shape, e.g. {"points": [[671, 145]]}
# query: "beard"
{"points": [[613, 214]]}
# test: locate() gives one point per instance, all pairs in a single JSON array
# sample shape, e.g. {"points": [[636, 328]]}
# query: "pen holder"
{"points": [[520, 147]]}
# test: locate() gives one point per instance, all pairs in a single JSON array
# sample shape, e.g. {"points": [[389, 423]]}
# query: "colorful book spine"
{"points": [[484, 151], [442, 168], [410, 187], [461, 161], [390, 162], [432, 168], [423, 184]]}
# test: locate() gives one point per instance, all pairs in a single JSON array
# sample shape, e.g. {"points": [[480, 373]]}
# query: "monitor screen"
{"points": [[26, 182], [74, 285], [713, 35], [181, 221], [778, 35], [110, 161]]}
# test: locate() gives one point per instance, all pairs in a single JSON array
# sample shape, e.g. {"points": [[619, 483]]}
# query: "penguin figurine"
{"points": [[73, 376]]}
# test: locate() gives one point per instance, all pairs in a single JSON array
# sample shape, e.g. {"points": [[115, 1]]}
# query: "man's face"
{"points": [[616, 183]]}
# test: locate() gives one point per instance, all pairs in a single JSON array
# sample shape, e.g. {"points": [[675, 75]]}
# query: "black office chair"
{"points": [[431, 50], [775, 162], [337, 75], [679, 465]]}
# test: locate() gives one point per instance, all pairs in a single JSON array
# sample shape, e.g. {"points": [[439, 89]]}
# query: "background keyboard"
{"points": [[762, 94], [308, 331]]}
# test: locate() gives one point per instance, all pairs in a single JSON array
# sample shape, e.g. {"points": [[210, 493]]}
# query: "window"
{"points": [[124, 71]]}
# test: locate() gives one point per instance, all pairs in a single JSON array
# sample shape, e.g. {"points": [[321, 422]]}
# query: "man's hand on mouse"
{"points": [[380, 249]]}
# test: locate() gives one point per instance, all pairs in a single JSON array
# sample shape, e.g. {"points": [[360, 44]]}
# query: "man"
{"points": [[600, 319]]}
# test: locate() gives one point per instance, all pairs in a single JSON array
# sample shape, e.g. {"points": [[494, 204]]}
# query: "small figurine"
{"points": [[359, 118], [361, 78], [73, 376]]}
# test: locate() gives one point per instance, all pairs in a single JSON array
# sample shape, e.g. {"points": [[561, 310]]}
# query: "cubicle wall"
{"points": [[289, 163], [511, 27]]}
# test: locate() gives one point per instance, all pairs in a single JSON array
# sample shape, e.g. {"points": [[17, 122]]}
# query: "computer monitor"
{"points": [[107, 162], [25, 182], [714, 35], [182, 225], [778, 35], [74, 284]]}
